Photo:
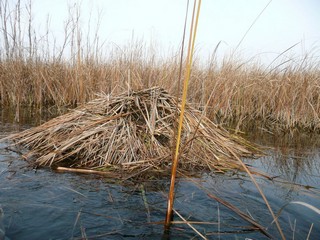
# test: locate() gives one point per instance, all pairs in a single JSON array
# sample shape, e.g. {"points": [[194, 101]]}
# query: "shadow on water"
{"points": [[42, 204]]}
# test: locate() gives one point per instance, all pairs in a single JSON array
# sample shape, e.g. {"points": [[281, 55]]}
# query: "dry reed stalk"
{"points": [[245, 95], [131, 133], [241, 214], [190, 225], [175, 158], [283, 96]]}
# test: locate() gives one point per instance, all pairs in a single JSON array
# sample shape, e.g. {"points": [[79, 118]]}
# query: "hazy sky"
{"points": [[283, 23]]}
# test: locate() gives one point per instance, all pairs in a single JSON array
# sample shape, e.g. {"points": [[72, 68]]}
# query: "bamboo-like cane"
{"points": [[193, 30]]}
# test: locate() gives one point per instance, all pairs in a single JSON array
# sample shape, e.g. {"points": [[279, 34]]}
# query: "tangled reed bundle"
{"points": [[132, 133]]}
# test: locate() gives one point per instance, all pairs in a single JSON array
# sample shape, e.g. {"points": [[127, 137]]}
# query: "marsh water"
{"points": [[43, 204]]}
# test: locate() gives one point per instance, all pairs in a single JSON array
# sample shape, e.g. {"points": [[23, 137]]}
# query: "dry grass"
{"points": [[132, 133], [35, 71], [287, 100]]}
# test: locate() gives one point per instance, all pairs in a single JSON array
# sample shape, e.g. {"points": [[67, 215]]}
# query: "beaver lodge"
{"points": [[132, 135]]}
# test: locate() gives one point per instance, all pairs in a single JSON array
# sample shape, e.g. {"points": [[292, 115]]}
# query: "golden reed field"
{"points": [[34, 71], [244, 94]]}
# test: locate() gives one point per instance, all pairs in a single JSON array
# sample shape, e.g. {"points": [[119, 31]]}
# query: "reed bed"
{"points": [[232, 93], [131, 134], [36, 71]]}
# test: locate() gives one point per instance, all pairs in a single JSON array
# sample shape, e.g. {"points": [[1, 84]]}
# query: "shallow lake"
{"points": [[43, 204]]}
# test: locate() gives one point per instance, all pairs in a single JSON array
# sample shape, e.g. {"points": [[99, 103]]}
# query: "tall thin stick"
{"points": [[182, 50], [193, 30]]}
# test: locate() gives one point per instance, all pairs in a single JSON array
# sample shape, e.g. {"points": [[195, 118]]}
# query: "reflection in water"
{"points": [[301, 168], [42, 203], [2, 228], [294, 158]]}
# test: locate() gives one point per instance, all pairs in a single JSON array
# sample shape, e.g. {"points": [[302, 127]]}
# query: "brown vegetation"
{"points": [[233, 92], [34, 72], [132, 133]]}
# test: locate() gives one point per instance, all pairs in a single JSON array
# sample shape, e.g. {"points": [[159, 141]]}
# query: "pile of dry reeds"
{"points": [[132, 133]]}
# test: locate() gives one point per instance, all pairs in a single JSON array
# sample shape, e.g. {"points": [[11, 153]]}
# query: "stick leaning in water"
{"points": [[192, 37]]}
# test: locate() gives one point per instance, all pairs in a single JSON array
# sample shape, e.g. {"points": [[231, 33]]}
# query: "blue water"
{"points": [[43, 204]]}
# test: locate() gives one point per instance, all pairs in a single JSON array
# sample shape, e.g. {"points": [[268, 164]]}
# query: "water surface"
{"points": [[43, 204]]}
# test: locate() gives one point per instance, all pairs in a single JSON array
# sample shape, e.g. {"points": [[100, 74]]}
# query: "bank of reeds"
{"points": [[245, 95], [35, 71]]}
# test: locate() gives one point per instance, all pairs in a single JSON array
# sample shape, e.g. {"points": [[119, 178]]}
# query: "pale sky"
{"points": [[283, 23]]}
